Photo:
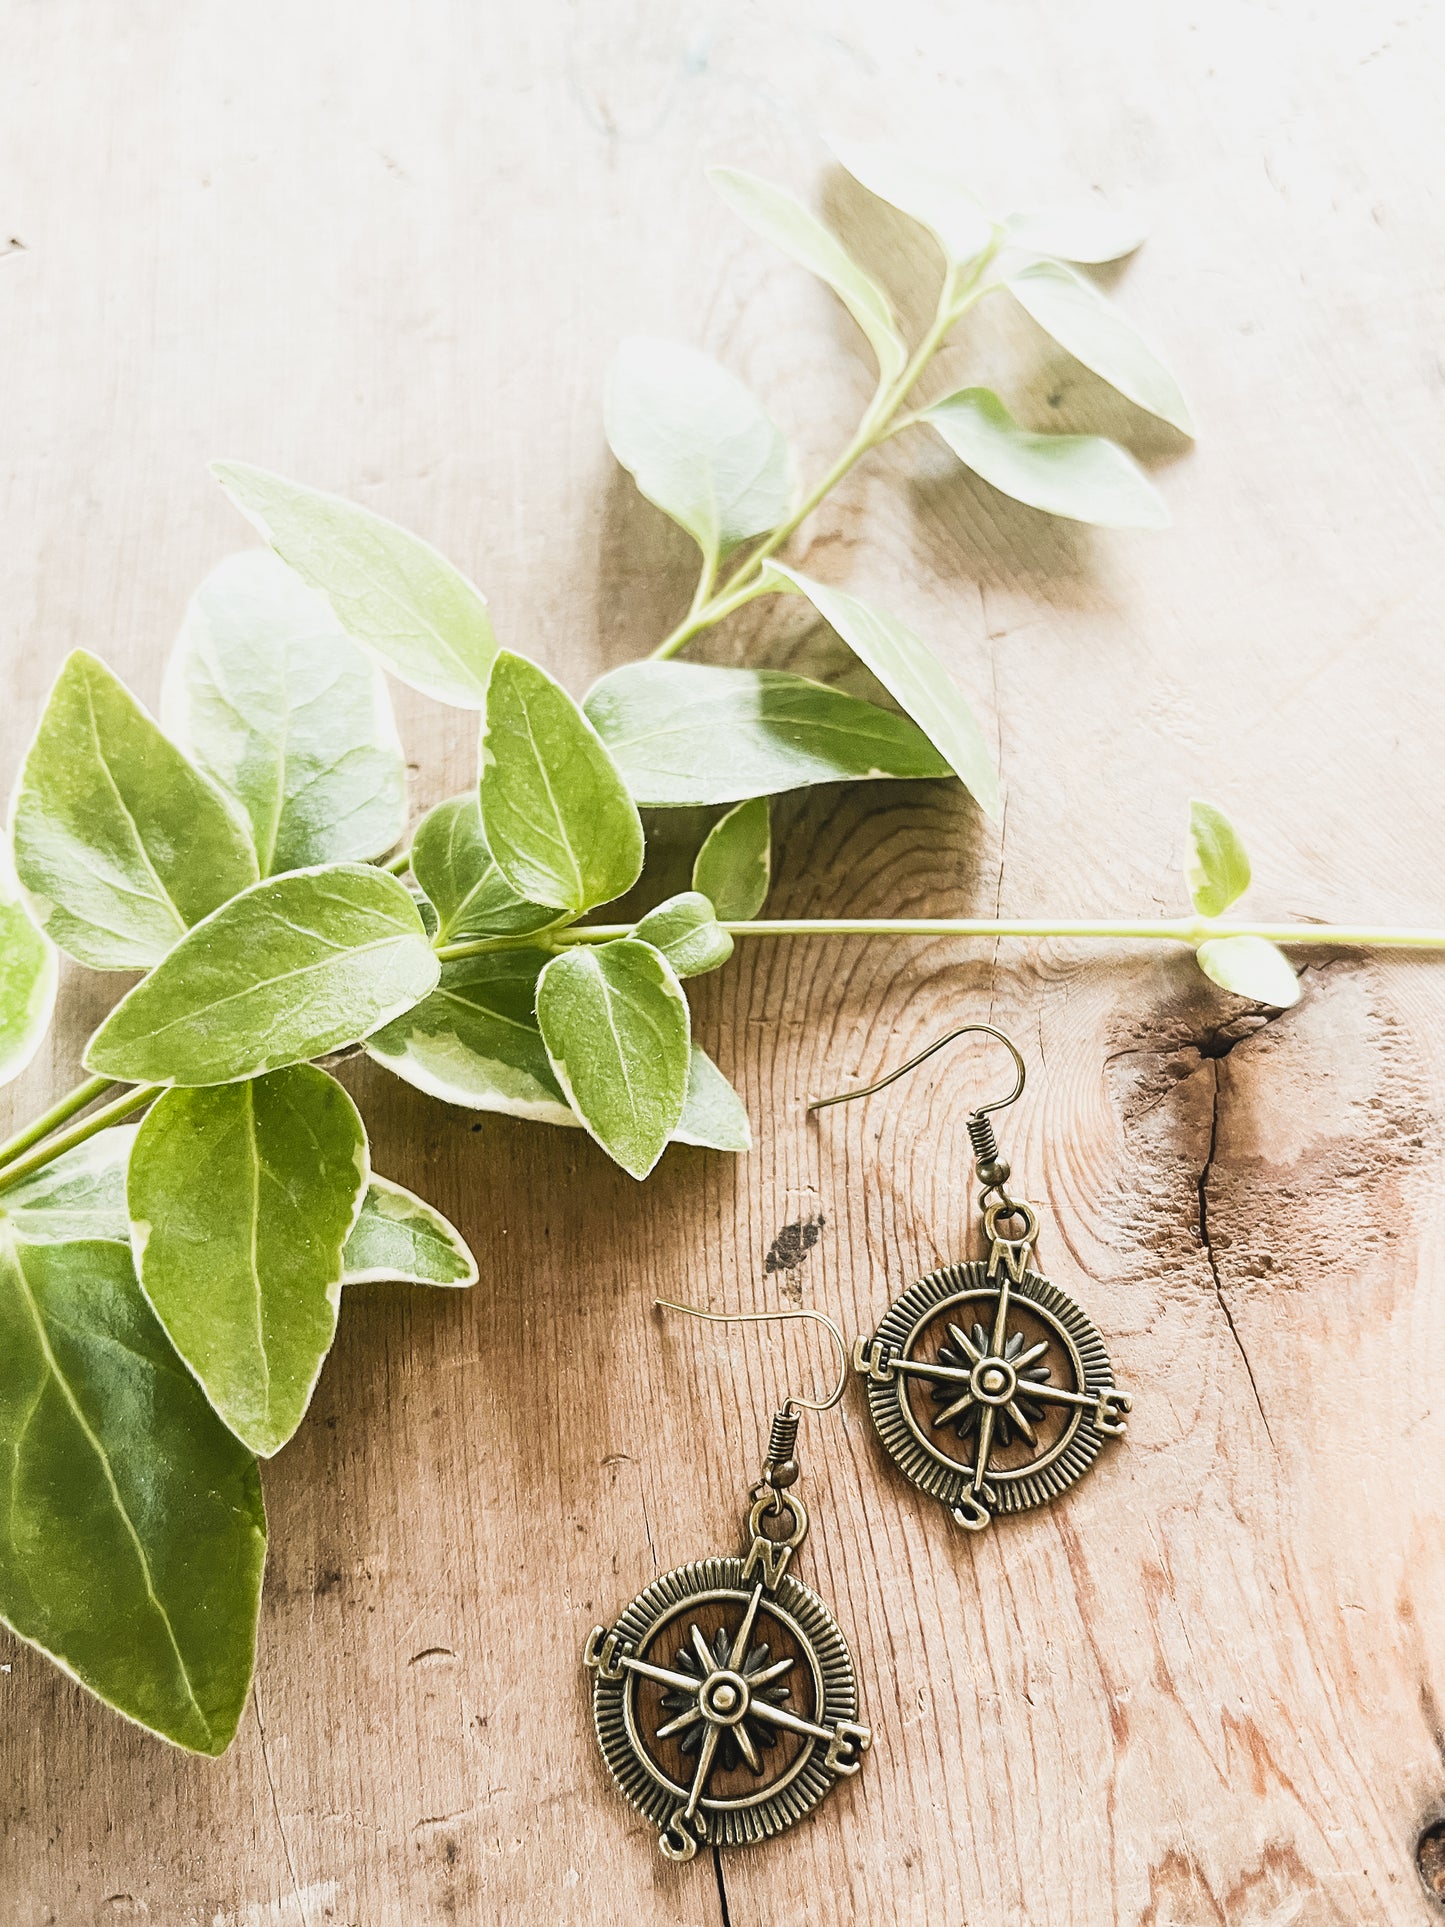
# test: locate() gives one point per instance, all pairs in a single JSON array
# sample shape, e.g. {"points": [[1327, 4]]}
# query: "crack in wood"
{"points": [[276, 1808], [1212, 1260], [722, 1892]]}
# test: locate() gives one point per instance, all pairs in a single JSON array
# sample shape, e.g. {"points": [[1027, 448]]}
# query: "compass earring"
{"points": [[989, 1387], [724, 1698]]}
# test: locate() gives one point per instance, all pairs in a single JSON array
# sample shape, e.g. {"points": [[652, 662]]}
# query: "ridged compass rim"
{"points": [[1021, 1488], [744, 1820]]}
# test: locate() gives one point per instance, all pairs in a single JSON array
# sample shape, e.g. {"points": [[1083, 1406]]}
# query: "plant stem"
{"points": [[706, 583], [1190, 931], [956, 298], [59, 1113], [111, 1113], [397, 865]]}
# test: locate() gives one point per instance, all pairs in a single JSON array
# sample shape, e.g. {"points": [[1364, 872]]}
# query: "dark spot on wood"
{"points": [[793, 1243], [326, 1582], [1430, 1859]]}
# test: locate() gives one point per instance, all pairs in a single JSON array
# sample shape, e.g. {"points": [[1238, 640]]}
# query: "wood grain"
{"points": [[390, 250]]}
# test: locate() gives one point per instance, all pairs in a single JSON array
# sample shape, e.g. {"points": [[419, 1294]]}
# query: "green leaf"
{"points": [[734, 867], [1218, 865], [390, 591], [698, 443], [241, 1200], [426, 909], [80, 1194], [399, 1236], [1095, 332], [713, 1115], [29, 972], [928, 194], [474, 1041], [1083, 477], [789, 225], [451, 862], [133, 1534], [684, 732], [686, 930], [1090, 234], [1250, 967], [615, 1022], [555, 811], [275, 702], [294, 967], [119, 842], [913, 676]]}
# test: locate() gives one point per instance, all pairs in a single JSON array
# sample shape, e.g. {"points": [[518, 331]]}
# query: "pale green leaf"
{"points": [[294, 967], [29, 972], [933, 196], [774, 214], [686, 930], [713, 1115], [1083, 477], [241, 1201], [121, 845], [555, 811], [474, 1041], [913, 676], [389, 590], [426, 909], [273, 700], [451, 862], [399, 1236], [616, 1026], [1084, 233], [80, 1194], [685, 732], [1085, 322], [1218, 864], [698, 443], [133, 1534], [734, 867], [1250, 967]]}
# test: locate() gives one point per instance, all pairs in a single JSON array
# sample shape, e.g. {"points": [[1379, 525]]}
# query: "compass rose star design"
{"points": [[991, 1384], [1013, 1373], [728, 1693], [721, 1695]]}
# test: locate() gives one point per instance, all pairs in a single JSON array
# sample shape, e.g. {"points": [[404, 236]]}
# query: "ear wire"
{"points": [[795, 1402], [964, 1030]]}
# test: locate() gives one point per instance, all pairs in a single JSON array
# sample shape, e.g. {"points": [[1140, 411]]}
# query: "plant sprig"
{"points": [[1083, 477], [170, 1287]]}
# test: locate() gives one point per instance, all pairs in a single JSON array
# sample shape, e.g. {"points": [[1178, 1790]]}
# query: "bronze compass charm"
{"points": [[724, 1698], [990, 1388]]}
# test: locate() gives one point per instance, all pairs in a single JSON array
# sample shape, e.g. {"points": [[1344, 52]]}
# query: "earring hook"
{"points": [[964, 1030], [768, 1317]]}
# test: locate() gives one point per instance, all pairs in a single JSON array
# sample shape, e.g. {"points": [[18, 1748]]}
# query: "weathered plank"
{"points": [[392, 256]]}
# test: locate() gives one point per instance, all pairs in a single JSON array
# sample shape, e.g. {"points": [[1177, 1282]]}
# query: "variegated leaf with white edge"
{"points": [[401, 1238]]}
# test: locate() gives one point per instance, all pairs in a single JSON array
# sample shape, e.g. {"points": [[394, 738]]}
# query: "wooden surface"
{"points": [[390, 250]]}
